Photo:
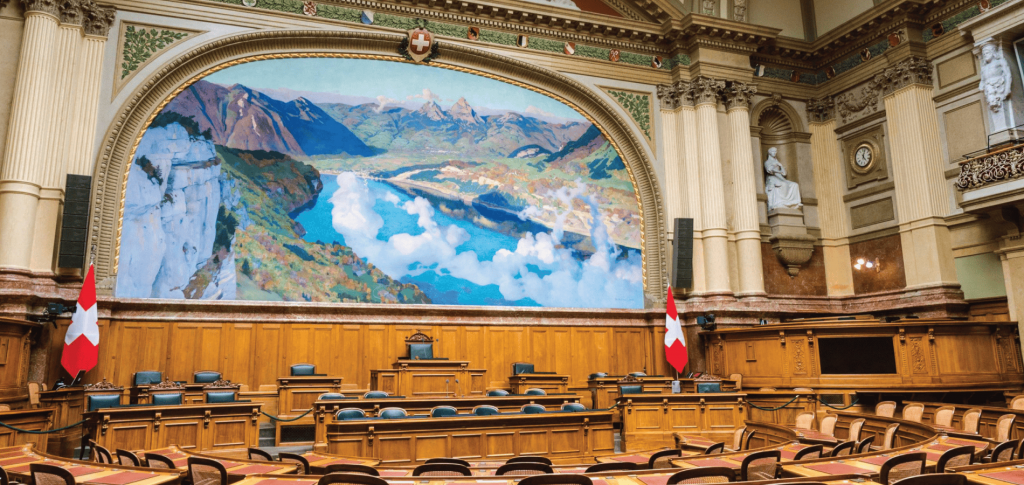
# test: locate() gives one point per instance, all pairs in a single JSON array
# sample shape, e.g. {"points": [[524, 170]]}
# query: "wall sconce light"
{"points": [[867, 264]]}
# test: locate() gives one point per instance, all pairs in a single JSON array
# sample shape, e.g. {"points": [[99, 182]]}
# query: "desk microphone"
{"points": [[446, 387], [457, 389]]}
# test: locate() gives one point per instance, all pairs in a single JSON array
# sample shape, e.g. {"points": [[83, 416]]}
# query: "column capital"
{"points": [[820, 110], [667, 96], [72, 12], [912, 70], [98, 20], [706, 90], [45, 6], [738, 95], [3, 3]]}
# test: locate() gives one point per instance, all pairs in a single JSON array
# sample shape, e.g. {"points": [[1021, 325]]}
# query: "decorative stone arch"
{"points": [[124, 134], [774, 105]]}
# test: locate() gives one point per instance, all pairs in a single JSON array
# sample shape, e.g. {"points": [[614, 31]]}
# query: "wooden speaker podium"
{"points": [[422, 375]]}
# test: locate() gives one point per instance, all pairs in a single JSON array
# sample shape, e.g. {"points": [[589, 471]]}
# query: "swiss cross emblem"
{"points": [[420, 42]]}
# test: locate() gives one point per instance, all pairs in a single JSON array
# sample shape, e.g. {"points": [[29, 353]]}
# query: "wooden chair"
{"points": [[375, 395], [351, 469], [663, 459], [715, 449], [760, 465], [902, 466], [913, 412], [809, 453], [747, 438], [350, 478], [855, 426], [935, 479], [296, 459], [739, 381], [127, 458], [393, 413], [529, 459], [256, 454], [1004, 427], [100, 454], [1002, 452], [604, 467], [497, 392], [943, 417], [971, 419], [349, 413], [486, 410], [532, 409], [886, 409], [955, 457], [536, 392], [447, 460], [1017, 403], [828, 424], [443, 411], [43, 474], [442, 470], [864, 445], [557, 479], [889, 438], [33, 394], [524, 468], [204, 471], [154, 460], [573, 407], [844, 449], [805, 421], [737, 439], [711, 474], [4, 479]]}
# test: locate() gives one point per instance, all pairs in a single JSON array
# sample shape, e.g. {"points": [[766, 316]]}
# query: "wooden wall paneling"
{"points": [[322, 345], [185, 342], [238, 358], [351, 358], [297, 345], [141, 346], [542, 350], [449, 344], [211, 350], [561, 342], [629, 352], [269, 361]]}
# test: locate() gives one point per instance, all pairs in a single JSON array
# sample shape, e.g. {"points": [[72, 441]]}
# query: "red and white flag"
{"points": [[81, 344], [675, 342]]}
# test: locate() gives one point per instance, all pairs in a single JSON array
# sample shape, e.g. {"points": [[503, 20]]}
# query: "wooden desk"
{"points": [[67, 404], [735, 459], [192, 394], [765, 435], [650, 420], [604, 390], [20, 459], [413, 440], [319, 461], [202, 427], [603, 478], [237, 469], [872, 462], [976, 473], [552, 383], [14, 354], [986, 424], [296, 395], [29, 419], [426, 378]]}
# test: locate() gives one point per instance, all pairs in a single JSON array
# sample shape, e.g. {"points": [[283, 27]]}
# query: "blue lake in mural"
{"points": [[341, 180]]}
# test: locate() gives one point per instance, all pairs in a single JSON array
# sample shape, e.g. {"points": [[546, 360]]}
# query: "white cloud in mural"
{"points": [[427, 95], [384, 101]]}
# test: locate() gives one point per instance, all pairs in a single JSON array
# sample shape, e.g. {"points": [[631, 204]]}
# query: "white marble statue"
{"points": [[782, 193], [996, 79]]}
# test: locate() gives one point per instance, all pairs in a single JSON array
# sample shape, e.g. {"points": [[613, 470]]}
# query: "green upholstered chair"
{"points": [[331, 396], [497, 392], [631, 389], [303, 370], [522, 368], [536, 392], [533, 409], [708, 387], [443, 412], [206, 376], [597, 375], [220, 397], [573, 407], [393, 413], [147, 377], [486, 410], [375, 395], [638, 374], [166, 399], [100, 401], [421, 351], [349, 413]]}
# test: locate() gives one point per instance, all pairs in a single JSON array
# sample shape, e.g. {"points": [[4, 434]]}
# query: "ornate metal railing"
{"points": [[998, 166]]}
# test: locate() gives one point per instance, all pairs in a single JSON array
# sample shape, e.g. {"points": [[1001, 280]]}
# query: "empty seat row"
{"points": [[449, 411]]}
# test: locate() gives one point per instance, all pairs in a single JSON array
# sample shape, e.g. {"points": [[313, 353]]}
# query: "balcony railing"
{"points": [[998, 166]]}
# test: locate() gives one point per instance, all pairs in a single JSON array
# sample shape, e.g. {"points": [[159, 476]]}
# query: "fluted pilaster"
{"points": [[80, 153], [746, 226], [705, 95], [828, 185]]}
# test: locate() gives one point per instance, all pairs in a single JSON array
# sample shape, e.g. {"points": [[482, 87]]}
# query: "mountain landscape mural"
{"points": [[349, 180]]}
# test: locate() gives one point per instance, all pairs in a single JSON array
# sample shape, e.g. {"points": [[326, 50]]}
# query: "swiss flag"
{"points": [[81, 344], [675, 342]]}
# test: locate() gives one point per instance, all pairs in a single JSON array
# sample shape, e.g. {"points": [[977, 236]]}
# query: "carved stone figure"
{"points": [[739, 10], [995, 77], [707, 7], [782, 193]]}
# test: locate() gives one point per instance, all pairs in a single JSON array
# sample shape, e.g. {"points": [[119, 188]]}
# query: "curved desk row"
{"points": [[223, 427], [17, 461]]}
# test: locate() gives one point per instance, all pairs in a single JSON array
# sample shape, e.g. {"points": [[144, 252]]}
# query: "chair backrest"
{"points": [[448, 460], [708, 387], [214, 397], [100, 454], [443, 411], [127, 458], [844, 449], [1004, 451], [558, 479], [971, 419], [147, 377], [206, 376], [1017, 403], [663, 459], [349, 413], [935, 479], [536, 392], [486, 410], [710, 474], [421, 351], [638, 374], [442, 470], [528, 459], [524, 468], [154, 460], [889, 439], [331, 396], [737, 438], [257, 454], [855, 426], [100, 401], [611, 467], [809, 453], [739, 380], [497, 392], [760, 465], [166, 399], [522, 368], [375, 395], [913, 412], [573, 407], [43, 474], [864, 445], [1004, 427], [805, 421], [303, 369], [204, 471], [393, 413], [597, 375], [955, 457], [886, 409], [944, 416], [715, 449], [297, 459], [532, 409], [350, 479], [351, 468], [902, 466], [747, 438], [828, 424], [33, 394], [639, 389]]}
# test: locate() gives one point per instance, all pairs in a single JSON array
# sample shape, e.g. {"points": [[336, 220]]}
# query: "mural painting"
{"points": [[358, 180]]}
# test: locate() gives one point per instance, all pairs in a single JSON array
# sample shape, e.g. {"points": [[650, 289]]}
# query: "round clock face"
{"points": [[863, 157]]}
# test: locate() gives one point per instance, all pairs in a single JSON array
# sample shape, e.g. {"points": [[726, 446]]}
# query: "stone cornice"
{"points": [[71, 12], [821, 110], [98, 20], [912, 70], [738, 95], [45, 6]]}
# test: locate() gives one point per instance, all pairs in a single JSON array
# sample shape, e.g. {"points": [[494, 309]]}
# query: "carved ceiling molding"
{"points": [[127, 125]]}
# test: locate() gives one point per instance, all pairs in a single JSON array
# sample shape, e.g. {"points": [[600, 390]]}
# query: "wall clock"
{"points": [[863, 157]]}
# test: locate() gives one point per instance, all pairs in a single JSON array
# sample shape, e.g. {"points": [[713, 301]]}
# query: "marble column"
{"points": [[922, 199], [691, 176], [828, 185], [26, 137], [706, 92], [81, 144], [746, 226], [53, 168]]}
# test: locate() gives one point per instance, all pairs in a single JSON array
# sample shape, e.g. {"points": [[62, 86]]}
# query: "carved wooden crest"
{"points": [[103, 386], [419, 338], [221, 384], [706, 377], [630, 379], [166, 384]]}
